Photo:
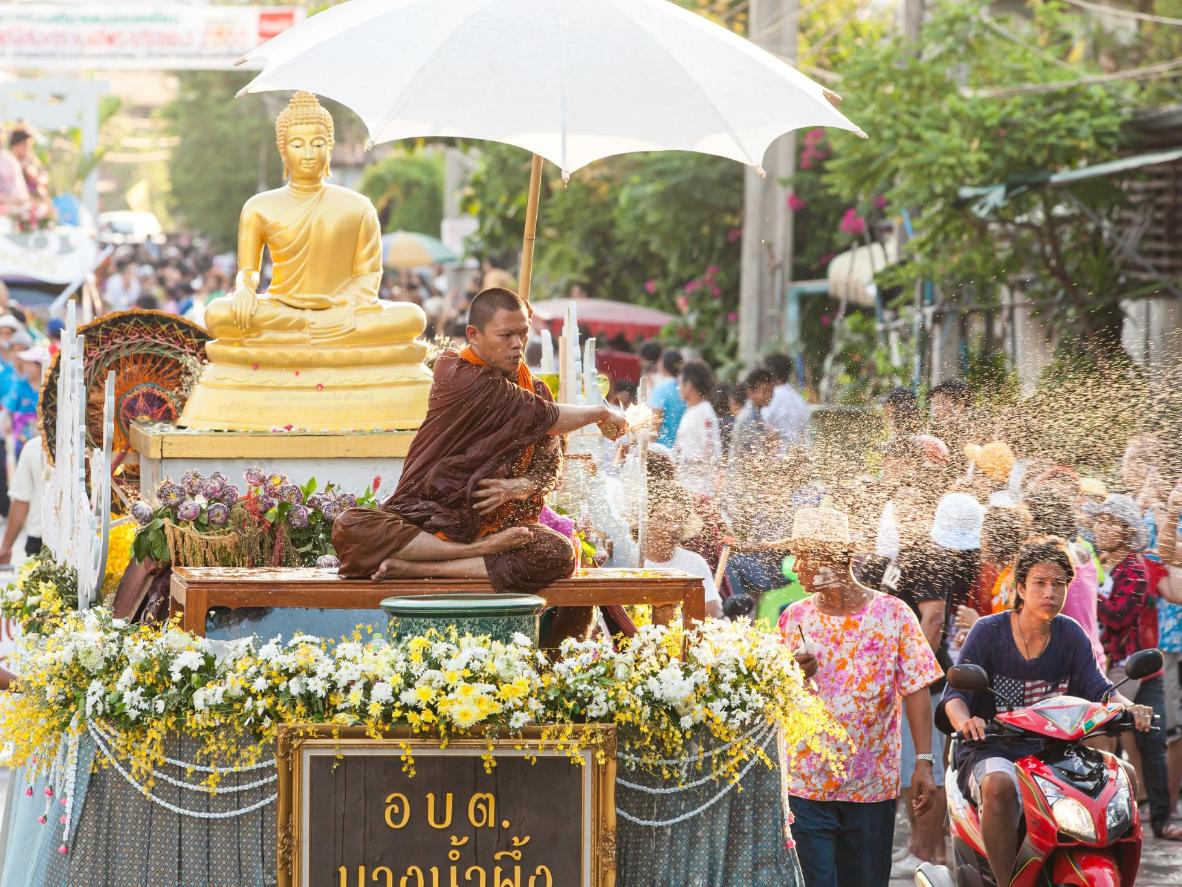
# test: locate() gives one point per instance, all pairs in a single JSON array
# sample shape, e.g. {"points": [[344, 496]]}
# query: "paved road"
{"points": [[1161, 861]]}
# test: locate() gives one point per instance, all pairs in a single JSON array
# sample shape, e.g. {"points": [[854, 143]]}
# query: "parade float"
{"points": [[336, 744]]}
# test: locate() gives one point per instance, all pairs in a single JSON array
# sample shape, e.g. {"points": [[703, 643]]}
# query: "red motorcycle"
{"points": [[1079, 822]]}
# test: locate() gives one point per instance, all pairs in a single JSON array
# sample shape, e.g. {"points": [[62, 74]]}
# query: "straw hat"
{"points": [[821, 525], [995, 459]]}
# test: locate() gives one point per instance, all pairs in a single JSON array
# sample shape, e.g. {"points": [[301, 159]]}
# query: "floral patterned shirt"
{"points": [[868, 661]]}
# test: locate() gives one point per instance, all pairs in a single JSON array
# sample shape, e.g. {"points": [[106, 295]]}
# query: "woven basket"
{"points": [[228, 548]]}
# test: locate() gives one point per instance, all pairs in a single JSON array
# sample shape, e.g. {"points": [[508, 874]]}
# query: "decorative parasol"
{"points": [[409, 249], [156, 357], [572, 81], [602, 317]]}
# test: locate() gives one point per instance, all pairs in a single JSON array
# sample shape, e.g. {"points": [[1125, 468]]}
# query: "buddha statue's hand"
{"points": [[245, 303]]}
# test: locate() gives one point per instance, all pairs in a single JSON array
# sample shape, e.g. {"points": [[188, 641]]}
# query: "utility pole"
{"points": [[766, 269]]}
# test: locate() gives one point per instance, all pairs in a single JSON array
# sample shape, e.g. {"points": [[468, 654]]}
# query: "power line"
{"points": [[1125, 13], [1144, 73]]}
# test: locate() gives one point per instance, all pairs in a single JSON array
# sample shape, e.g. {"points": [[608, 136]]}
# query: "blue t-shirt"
{"points": [[667, 398], [1067, 667], [7, 377], [20, 397]]}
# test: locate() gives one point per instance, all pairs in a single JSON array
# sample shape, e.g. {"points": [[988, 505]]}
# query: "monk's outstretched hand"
{"points": [[493, 492], [614, 426]]}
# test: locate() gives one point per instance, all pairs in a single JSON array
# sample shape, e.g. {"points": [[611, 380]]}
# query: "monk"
{"points": [[478, 470]]}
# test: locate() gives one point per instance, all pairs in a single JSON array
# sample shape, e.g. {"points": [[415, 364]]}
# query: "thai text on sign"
{"points": [[359, 819]]}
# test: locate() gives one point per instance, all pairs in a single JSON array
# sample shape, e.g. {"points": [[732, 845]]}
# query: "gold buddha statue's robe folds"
{"points": [[326, 254]]}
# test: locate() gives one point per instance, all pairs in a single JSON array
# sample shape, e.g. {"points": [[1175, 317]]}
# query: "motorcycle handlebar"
{"points": [[994, 730]]}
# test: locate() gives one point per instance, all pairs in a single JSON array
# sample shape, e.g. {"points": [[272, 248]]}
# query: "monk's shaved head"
{"points": [[488, 302], [498, 328]]}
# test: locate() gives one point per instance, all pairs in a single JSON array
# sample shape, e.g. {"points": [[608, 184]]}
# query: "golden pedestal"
{"points": [[319, 390]]}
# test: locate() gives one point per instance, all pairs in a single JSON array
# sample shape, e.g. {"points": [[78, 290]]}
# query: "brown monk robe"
{"points": [[480, 424]]}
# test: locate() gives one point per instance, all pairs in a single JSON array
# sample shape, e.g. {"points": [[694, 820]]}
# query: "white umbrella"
{"points": [[572, 81]]}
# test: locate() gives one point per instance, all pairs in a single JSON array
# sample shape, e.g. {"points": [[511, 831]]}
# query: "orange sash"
{"points": [[525, 380]]}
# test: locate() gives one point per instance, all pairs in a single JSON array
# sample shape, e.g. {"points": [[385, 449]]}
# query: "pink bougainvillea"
{"points": [[682, 304], [650, 286], [795, 203], [852, 223]]}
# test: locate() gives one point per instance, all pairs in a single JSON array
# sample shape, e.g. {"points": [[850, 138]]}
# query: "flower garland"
{"points": [[41, 594], [672, 694]]}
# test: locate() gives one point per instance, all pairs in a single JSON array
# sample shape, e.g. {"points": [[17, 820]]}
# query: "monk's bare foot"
{"points": [[392, 568], [506, 540]]}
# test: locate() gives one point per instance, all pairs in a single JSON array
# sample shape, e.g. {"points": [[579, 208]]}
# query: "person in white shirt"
{"points": [[672, 519], [788, 412], [698, 445], [122, 288], [26, 493]]}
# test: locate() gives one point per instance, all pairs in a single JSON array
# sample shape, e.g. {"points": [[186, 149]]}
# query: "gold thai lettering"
{"points": [[478, 870], [383, 870], [447, 804], [343, 876], [456, 842], [541, 871], [482, 810], [508, 854], [417, 872], [397, 805], [505, 880], [518, 841]]}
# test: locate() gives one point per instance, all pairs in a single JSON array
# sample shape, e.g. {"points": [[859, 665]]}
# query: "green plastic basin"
{"points": [[499, 616]]}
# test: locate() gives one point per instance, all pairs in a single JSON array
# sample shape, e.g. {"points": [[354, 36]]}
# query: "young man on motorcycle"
{"points": [[1031, 653]]}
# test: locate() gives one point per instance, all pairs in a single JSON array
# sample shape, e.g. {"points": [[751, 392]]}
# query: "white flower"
{"points": [[260, 684], [382, 692], [317, 687], [174, 641], [190, 659]]}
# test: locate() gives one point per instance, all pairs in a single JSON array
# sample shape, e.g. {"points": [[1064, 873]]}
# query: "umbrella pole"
{"points": [[531, 225]]}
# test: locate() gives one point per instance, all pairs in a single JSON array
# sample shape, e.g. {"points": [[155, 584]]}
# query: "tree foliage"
{"points": [[407, 190], [950, 116], [225, 153]]}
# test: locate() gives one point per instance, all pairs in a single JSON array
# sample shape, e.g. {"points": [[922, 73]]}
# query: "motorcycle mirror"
{"points": [[971, 678], [1142, 664]]}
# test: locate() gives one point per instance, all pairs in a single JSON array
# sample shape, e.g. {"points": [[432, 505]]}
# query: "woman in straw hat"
{"points": [[870, 662]]}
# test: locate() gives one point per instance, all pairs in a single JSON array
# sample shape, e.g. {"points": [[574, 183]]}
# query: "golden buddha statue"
{"points": [[319, 349]]}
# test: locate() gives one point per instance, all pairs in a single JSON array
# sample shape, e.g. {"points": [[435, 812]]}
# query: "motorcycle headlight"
{"points": [[1074, 819], [1119, 815]]}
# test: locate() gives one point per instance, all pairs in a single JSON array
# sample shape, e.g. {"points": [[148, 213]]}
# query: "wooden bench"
{"points": [[197, 590]]}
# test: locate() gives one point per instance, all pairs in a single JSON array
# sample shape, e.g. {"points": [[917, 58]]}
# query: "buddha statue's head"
{"points": [[304, 132]]}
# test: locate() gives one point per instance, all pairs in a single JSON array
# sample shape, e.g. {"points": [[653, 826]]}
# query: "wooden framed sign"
{"points": [[351, 816]]}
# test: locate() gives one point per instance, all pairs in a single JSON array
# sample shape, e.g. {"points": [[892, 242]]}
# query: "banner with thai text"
{"points": [[168, 36]]}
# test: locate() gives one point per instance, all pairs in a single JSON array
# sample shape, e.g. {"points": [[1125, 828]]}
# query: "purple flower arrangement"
{"points": [[297, 518]]}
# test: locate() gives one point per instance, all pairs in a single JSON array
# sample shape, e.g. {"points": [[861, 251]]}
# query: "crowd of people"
{"points": [[925, 543], [26, 352]]}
